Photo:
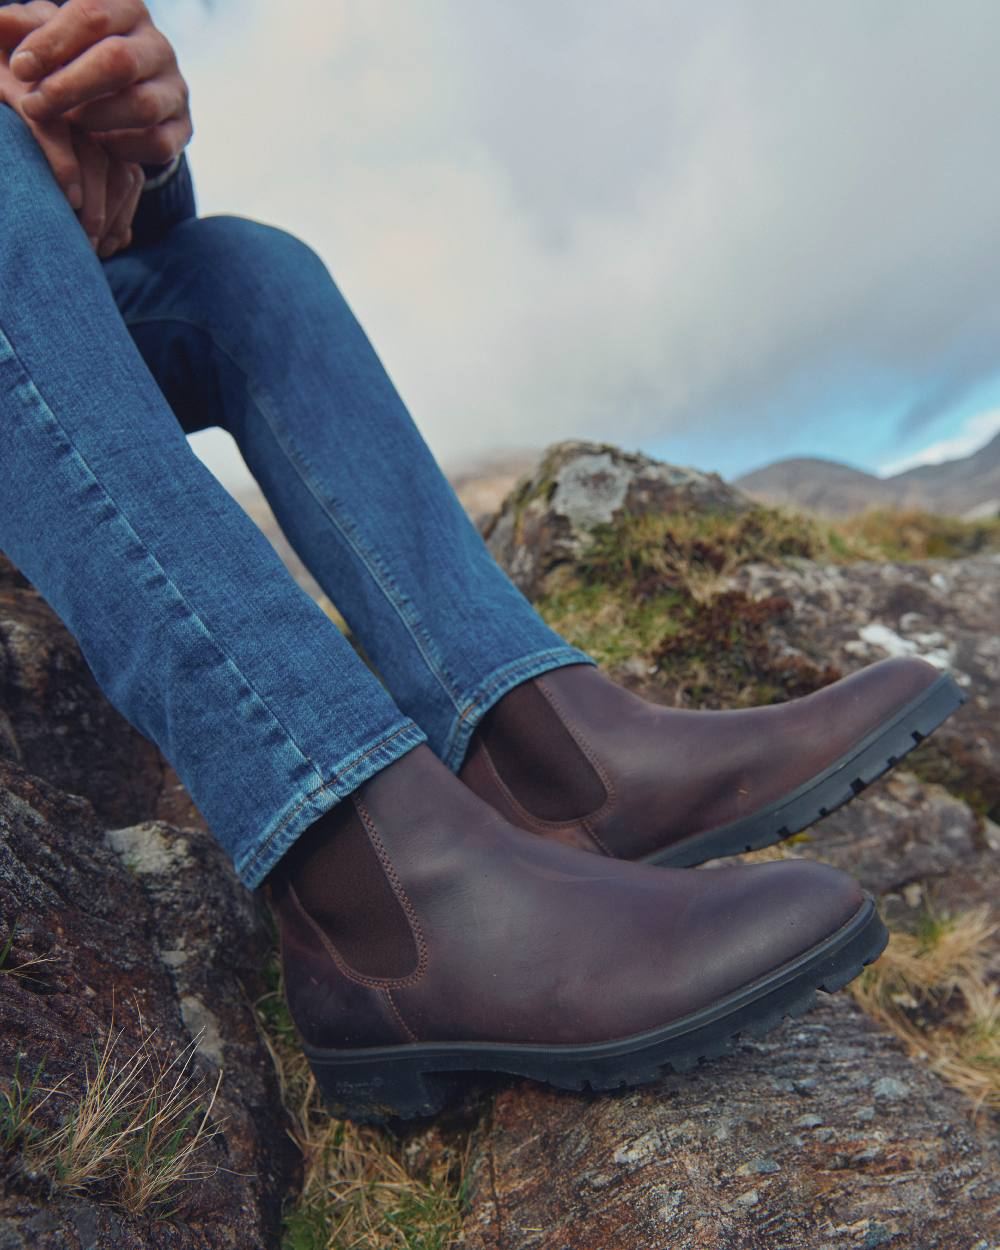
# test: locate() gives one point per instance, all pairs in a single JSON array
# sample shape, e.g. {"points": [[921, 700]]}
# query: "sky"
{"points": [[721, 234]]}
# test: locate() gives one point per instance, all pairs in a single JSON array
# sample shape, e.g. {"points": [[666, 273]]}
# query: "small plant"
{"points": [[135, 1133], [11, 967], [363, 1188], [934, 990], [19, 1107]]}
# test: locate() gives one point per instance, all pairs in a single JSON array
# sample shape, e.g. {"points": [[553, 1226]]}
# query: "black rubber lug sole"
{"points": [[868, 760], [378, 1084]]}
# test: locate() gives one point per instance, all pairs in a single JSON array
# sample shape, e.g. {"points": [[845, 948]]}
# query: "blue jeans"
{"points": [[190, 623]]}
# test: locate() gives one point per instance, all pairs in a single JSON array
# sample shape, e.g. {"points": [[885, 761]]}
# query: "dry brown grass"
{"points": [[936, 990], [12, 965], [132, 1138], [363, 1188]]}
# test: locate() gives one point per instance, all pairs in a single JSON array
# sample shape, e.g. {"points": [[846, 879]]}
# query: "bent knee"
{"points": [[26, 177], [229, 245]]}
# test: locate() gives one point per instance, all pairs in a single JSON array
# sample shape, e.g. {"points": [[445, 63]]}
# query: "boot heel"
{"points": [[372, 1093]]}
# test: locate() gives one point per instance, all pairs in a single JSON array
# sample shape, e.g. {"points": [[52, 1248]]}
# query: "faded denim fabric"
{"points": [[190, 623]]}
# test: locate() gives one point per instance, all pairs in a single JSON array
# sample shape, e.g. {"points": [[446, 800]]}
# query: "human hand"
{"points": [[103, 65], [102, 188], [111, 191]]}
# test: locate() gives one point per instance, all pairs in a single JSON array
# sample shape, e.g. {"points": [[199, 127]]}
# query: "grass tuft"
{"points": [[12, 966], [364, 1188], [933, 988], [133, 1136]]}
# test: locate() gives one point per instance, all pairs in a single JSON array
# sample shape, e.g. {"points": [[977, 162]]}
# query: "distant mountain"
{"points": [[966, 487]]}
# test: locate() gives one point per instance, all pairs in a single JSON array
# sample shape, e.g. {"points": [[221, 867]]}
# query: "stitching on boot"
{"points": [[597, 839], [416, 932], [586, 748], [400, 893], [391, 1002], [373, 983]]}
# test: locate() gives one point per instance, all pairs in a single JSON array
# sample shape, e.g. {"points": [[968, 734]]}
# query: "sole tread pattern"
{"points": [[841, 782]]}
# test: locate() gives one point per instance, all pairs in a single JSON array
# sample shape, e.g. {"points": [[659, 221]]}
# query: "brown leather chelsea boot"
{"points": [[573, 756], [423, 936]]}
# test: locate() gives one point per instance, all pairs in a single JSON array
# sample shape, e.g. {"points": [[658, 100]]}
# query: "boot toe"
{"points": [[746, 922]]}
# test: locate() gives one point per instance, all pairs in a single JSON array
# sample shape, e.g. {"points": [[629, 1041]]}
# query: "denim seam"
{"points": [[120, 513], [376, 570], [246, 866]]}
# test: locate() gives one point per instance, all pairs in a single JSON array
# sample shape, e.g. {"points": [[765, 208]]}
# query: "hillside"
{"points": [[963, 487]]}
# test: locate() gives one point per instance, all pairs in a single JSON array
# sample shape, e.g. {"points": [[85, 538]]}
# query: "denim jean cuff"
{"points": [[495, 686], [304, 809]]}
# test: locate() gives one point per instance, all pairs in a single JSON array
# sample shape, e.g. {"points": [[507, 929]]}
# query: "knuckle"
{"points": [[120, 58], [147, 106], [94, 16], [164, 48]]}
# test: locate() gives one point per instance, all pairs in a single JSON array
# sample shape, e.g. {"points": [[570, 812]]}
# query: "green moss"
{"points": [[650, 551], [657, 550], [911, 534], [610, 625]]}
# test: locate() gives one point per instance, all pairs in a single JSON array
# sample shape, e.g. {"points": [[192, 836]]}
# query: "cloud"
{"points": [[973, 434], [625, 220]]}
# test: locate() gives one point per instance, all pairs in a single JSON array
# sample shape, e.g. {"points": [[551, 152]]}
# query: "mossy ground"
{"points": [[651, 591]]}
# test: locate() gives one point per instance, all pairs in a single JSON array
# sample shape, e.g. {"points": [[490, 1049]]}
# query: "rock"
{"points": [[56, 722], [944, 610], [548, 519], [144, 929], [667, 1167], [912, 843], [824, 1134]]}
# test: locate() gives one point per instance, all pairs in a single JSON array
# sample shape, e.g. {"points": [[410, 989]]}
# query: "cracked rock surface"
{"points": [[821, 1135], [147, 942], [126, 915]]}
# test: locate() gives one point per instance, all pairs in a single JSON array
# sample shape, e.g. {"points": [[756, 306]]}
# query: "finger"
{"points": [[117, 185], [110, 66], [18, 20], [142, 105], [55, 140], [124, 188], [73, 28], [94, 168], [149, 147]]}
